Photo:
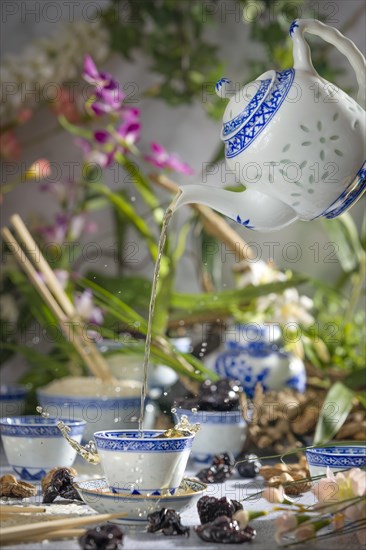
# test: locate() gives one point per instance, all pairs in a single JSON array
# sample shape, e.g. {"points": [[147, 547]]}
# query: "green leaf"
{"points": [[134, 291], [335, 409], [343, 233], [75, 130], [112, 303], [139, 181], [123, 313], [212, 301], [356, 380], [363, 232], [162, 304], [127, 210], [180, 246], [362, 399]]}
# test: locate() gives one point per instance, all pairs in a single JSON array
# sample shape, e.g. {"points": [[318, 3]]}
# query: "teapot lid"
{"points": [[244, 103]]}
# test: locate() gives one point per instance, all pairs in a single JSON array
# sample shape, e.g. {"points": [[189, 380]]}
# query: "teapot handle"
{"points": [[302, 54]]}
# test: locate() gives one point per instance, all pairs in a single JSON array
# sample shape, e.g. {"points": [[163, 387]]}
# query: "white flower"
{"points": [[259, 273], [288, 307]]}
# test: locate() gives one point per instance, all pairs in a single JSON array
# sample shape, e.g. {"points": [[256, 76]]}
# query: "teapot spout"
{"points": [[250, 208]]}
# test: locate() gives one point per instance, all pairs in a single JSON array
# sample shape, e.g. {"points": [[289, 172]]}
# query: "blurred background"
{"points": [[167, 55]]}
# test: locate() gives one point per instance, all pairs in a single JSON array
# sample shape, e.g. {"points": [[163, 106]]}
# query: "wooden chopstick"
{"points": [[63, 308], [10, 535], [55, 535], [13, 509], [43, 266], [34, 278], [58, 292]]}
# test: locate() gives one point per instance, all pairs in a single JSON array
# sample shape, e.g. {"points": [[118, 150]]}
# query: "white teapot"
{"points": [[296, 141]]}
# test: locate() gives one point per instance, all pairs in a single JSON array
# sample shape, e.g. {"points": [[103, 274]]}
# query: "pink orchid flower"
{"points": [[170, 161], [95, 156], [85, 307], [108, 93]]}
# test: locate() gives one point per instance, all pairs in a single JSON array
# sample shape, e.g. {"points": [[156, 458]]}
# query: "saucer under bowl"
{"points": [[336, 457], [97, 494]]}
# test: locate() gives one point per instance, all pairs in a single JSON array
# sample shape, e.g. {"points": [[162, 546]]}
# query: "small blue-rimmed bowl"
{"points": [[139, 463], [12, 399], [220, 431], [99, 412], [34, 445], [338, 456]]}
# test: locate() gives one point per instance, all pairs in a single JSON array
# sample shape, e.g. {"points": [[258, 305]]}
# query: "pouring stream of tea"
{"points": [[167, 216]]}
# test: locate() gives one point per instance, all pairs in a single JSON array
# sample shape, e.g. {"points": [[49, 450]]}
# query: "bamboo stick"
{"points": [[212, 222], [46, 295], [56, 535], [13, 509], [44, 267], [9, 535], [58, 291]]}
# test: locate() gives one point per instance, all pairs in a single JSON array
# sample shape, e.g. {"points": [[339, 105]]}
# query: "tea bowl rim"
{"points": [[17, 391], [45, 422], [102, 435]]}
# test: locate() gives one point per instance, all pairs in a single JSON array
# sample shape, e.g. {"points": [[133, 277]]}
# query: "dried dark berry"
{"points": [[215, 474], [221, 395], [103, 537], [223, 458], [249, 467], [168, 521], [61, 484], [210, 508], [225, 530]]}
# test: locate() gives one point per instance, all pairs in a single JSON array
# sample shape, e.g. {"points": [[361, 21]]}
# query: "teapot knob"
{"points": [[224, 88]]}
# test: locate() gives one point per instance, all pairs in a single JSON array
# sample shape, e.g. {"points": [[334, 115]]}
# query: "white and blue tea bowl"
{"points": [[34, 445], [337, 457], [220, 431], [143, 465], [99, 412], [12, 399], [259, 362]]}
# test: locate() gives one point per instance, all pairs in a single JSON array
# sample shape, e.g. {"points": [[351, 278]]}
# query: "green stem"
{"points": [[358, 282]]}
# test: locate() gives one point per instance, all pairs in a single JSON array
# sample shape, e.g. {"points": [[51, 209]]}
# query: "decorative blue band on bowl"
{"points": [[212, 417], [353, 456], [132, 442], [37, 426], [96, 402], [10, 393], [30, 474], [142, 492]]}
